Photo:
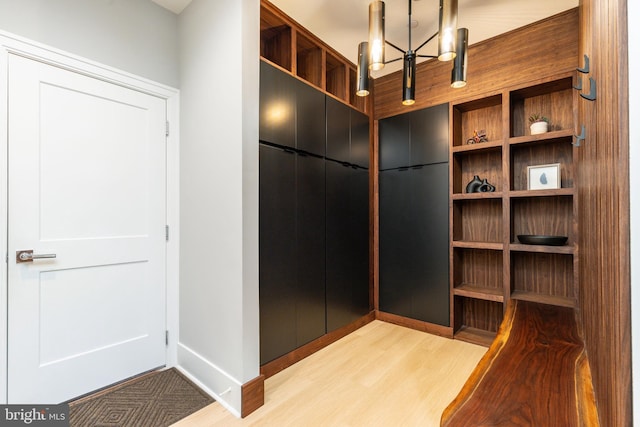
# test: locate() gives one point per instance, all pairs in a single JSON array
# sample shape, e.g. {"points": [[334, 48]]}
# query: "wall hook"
{"points": [[580, 137], [585, 69], [592, 91], [579, 85]]}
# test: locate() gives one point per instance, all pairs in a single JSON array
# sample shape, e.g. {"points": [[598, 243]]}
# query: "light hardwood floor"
{"points": [[380, 375]]}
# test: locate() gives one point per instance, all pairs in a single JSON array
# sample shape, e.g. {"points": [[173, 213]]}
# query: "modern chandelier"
{"points": [[452, 45]]}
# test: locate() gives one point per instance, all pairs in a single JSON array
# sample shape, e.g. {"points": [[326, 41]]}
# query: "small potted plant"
{"points": [[538, 124]]}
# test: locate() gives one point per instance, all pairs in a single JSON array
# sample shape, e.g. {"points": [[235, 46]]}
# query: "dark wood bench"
{"points": [[535, 373]]}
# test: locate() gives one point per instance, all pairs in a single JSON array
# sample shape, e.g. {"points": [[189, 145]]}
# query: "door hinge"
{"points": [[166, 337], [166, 233], [166, 131]]}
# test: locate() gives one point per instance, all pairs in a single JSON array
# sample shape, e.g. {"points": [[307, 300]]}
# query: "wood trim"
{"points": [[374, 262], [269, 369], [252, 395], [418, 325]]}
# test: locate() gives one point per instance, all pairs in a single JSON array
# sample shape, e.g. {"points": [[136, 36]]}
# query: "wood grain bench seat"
{"points": [[535, 373]]}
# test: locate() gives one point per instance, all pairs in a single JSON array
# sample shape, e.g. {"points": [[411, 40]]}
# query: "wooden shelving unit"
{"points": [[489, 265], [285, 43]]}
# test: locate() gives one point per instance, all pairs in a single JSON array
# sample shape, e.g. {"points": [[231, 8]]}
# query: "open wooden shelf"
{"points": [[544, 299], [478, 114], [275, 38], [477, 292], [475, 336], [488, 263], [477, 245], [542, 193], [336, 75], [552, 99], [518, 247], [552, 136], [309, 60], [476, 196], [486, 164], [491, 145], [296, 50], [478, 220]]}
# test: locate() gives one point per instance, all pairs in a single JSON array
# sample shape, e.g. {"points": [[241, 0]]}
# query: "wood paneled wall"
{"points": [[603, 188], [599, 29], [542, 49]]}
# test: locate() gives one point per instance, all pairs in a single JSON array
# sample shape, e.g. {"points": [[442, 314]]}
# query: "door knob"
{"points": [[29, 256]]}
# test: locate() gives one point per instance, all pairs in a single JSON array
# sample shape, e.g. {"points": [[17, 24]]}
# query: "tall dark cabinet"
{"points": [[347, 208], [292, 267], [414, 215], [314, 211]]}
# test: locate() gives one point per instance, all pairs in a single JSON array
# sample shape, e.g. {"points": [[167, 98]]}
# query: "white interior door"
{"points": [[86, 183]]}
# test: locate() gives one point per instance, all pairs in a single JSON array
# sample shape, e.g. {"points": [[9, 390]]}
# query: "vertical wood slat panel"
{"points": [[493, 64], [603, 188]]}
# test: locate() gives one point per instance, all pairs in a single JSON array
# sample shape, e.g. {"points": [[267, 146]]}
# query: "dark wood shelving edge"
{"points": [[544, 299], [479, 292], [519, 247]]}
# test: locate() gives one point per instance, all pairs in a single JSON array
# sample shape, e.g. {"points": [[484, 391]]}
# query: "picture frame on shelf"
{"points": [[543, 177]]}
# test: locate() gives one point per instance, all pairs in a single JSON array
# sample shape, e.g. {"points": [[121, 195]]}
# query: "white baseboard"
{"points": [[221, 386]]}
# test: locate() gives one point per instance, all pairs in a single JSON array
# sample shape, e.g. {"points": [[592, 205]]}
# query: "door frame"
{"points": [[12, 44]]}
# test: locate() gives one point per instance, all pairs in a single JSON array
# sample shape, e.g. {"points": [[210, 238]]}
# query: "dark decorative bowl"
{"points": [[532, 239]]}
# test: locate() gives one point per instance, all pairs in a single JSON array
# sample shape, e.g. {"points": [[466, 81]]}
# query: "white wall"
{"points": [[219, 80], [634, 158], [137, 36]]}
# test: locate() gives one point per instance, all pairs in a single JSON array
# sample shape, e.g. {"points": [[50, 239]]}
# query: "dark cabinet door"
{"points": [[277, 106], [359, 218], [338, 130], [347, 249], [310, 254], [292, 251], [310, 122], [414, 243], [430, 282], [394, 137], [277, 253], [430, 135], [396, 238], [417, 138], [359, 139]]}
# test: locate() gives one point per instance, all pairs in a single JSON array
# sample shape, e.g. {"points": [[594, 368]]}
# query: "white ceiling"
{"points": [[342, 24]]}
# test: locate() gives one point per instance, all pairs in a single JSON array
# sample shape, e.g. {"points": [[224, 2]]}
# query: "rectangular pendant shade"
{"points": [[362, 88], [459, 71], [447, 30], [376, 35]]}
